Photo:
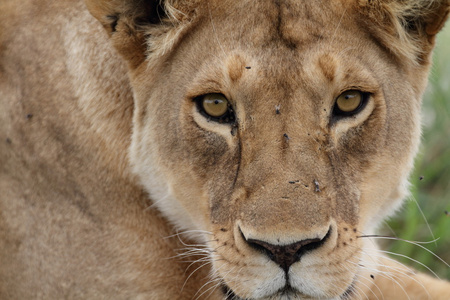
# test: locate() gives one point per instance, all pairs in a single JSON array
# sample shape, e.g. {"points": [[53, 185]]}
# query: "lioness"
{"points": [[263, 141]]}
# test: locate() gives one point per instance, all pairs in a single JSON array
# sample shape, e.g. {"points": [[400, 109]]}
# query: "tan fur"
{"points": [[104, 155]]}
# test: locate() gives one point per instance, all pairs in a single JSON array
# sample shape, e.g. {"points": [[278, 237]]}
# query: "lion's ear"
{"points": [[124, 21], [406, 27]]}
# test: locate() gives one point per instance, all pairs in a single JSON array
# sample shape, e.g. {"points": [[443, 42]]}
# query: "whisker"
{"points": [[358, 280], [211, 281], [203, 261], [193, 272], [192, 245], [400, 271], [360, 290], [194, 250], [151, 206], [390, 277], [214, 283], [189, 232], [399, 239], [390, 228], [424, 218], [369, 288], [189, 254], [418, 244], [412, 259]]}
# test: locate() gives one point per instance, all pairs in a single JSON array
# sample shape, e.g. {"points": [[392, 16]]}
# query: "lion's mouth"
{"points": [[229, 294], [286, 291]]}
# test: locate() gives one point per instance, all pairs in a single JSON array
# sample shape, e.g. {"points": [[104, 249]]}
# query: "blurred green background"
{"points": [[432, 193]]}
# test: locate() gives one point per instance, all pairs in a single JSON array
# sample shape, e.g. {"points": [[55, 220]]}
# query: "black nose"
{"points": [[286, 255]]}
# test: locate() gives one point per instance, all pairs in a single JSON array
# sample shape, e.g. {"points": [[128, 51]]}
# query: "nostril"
{"points": [[286, 255], [266, 248], [313, 244]]}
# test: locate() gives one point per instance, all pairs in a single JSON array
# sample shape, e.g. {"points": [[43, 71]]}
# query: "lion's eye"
{"points": [[216, 107], [349, 103]]}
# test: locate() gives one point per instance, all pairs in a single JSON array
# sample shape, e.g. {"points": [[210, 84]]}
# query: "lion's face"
{"points": [[278, 135]]}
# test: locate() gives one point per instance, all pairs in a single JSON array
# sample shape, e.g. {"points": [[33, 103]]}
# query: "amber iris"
{"points": [[349, 101], [215, 105]]}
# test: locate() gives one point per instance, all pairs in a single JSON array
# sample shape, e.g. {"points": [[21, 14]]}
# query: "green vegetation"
{"points": [[431, 178]]}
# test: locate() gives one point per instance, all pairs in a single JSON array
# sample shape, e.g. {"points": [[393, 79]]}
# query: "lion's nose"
{"points": [[286, 255]]}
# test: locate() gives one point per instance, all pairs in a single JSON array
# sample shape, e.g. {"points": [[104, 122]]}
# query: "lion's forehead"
{"points": [[289, 23]]}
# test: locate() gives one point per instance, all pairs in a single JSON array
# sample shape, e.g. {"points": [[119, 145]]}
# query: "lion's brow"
{"points": [[328, 66], [236, 66]]}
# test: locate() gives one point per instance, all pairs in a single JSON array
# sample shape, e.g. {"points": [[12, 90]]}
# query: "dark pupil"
{"points": [[216, 101]]}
